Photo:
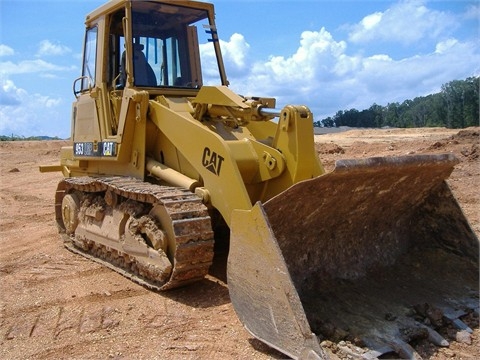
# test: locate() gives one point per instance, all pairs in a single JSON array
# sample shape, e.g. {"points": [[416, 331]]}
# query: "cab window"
{"points": [[166, 45], [89, 59]]}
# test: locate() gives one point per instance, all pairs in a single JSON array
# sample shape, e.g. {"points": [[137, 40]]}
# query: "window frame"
{"points": [[90, 51]]}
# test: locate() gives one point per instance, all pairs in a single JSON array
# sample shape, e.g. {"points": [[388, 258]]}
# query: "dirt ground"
{"points": [[58, 305]]}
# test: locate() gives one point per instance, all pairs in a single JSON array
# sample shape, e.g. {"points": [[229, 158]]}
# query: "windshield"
{"points": [[166, 46]]}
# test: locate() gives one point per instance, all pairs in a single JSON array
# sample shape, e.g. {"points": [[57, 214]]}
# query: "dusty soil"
{"points": [[58, 305]]}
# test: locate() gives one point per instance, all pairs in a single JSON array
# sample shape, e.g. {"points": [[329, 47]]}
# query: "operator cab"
{"points": [[165, 45], [155, 45], [133, 48]]}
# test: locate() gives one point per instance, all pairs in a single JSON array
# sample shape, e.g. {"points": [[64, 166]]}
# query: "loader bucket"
{"points": [[376, 253]]}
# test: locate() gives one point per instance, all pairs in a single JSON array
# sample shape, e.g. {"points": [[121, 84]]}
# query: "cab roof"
{"points": [[114, 5]]}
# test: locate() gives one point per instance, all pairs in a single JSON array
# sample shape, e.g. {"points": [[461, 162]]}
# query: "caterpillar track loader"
{"points": [[166, 162]]}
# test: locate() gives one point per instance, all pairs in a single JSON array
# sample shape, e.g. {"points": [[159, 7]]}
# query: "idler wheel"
{"points": [[70, 209]]}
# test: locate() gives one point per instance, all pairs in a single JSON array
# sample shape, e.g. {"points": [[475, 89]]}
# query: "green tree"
{"points": [[461, 98], [328, 122]]}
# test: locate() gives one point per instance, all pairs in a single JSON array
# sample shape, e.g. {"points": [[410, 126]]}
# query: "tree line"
{"points": [[455, 106], [29, 138]]}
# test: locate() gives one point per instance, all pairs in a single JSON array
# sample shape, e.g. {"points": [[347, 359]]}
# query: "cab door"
{"points": [[85, 122]]}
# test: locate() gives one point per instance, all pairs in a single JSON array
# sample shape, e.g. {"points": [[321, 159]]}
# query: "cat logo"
{"points": [[212, 161]]}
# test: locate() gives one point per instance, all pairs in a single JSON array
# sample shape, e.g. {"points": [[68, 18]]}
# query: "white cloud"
{"points": [[324, 76], [371, 21], [381, 80], [47, 48], [405, 22], [31, 66], [312, 63], [9, 94], [346, 65], [443, 46], [473, 12], [235, 53], [27, 114], [6, 50]]}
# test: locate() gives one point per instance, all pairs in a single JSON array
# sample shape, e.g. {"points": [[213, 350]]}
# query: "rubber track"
{"points": [[190, 222]]}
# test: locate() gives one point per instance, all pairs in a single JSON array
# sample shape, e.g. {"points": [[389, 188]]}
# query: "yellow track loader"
{"points": [[166, 162]]}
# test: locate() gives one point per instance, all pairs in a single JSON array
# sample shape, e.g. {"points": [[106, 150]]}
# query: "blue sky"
{"points": [[328, 55]]}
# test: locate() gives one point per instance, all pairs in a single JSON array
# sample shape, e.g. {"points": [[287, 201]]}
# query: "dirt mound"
{"points": [[329, 148], [467, 135], [469, 139]]}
